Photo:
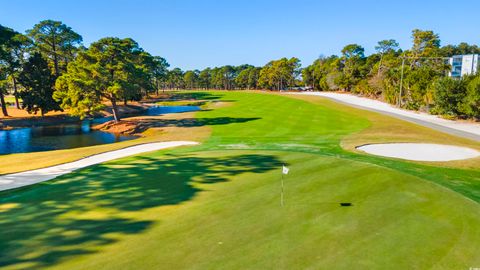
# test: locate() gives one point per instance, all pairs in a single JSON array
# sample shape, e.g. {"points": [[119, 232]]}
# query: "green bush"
{"points": [[449, 95], [471, 103]]}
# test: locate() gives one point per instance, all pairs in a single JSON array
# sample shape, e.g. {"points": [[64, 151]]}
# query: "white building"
{"points": [[463, 65]]}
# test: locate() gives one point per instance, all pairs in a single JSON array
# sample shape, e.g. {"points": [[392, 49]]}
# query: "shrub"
{"points": [[448, 96], [471, 103]]}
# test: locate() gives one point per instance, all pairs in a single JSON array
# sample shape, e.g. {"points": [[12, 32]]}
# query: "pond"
{"points": [[157, 110], [72, 135]]}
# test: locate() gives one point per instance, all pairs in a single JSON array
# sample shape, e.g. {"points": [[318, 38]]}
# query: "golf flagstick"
{"points": [[284, 171], [281, 193]]}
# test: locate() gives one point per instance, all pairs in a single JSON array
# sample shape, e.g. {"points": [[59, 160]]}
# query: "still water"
{"points": [[64, 136]]}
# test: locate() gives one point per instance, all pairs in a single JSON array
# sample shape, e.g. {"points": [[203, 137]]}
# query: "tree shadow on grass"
{"points": [[74, 214], [194, 96], [146, 123]]}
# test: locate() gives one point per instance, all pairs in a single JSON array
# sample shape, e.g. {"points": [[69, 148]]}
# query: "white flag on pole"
{"points": [[285, 169]]}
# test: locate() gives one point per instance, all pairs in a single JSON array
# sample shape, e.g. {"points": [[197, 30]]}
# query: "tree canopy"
{"points": [[279, 74], [111, 68], [38, 82], [57, 42], [10, 60]]}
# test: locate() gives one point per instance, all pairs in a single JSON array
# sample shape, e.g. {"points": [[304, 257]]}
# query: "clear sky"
{"points": [[197, 34]]}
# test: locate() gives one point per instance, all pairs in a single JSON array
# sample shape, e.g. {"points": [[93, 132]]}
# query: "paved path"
{"points": [[15, 180], [457, 128]]}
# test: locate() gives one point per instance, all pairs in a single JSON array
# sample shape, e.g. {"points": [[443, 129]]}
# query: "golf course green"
{"points": [[217, 205]]}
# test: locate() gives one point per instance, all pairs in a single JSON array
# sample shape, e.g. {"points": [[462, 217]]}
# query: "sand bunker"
{"points": [[420, 151]]}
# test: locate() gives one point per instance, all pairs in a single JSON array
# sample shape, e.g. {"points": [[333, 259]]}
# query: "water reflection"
{"points": [[44, 138], [52, 137], [157, 110]]}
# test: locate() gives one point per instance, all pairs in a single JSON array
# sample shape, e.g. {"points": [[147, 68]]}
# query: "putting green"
{"points": [[217, 205]]}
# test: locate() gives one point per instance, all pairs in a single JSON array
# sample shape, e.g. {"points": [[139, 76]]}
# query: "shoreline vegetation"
{"points": [[133, 113], [63, 118]]}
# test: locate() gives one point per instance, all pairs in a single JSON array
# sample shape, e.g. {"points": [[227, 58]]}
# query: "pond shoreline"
{"points": [[122, 127], [136, 127], [61, 133], [23, 122]]}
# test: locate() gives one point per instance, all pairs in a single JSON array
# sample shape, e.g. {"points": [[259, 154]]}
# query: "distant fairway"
{"points": [[217, 205]]}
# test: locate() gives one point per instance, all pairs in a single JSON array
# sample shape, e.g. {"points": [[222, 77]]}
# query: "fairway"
{"points": [[217, 205]]}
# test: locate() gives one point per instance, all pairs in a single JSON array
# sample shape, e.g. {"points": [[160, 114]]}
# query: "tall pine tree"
{"points": [[38, 82]]}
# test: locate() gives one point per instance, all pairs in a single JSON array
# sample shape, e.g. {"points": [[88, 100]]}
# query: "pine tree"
{"points": [[38, 82]]}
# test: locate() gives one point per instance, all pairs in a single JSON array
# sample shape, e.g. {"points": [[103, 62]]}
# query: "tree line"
{"points": [[49, 69], [275, 75], [414, 79]]}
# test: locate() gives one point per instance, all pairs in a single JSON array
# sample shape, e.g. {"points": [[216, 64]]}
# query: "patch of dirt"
{"points": [[122, 127], [14, 113], [221, 104]]}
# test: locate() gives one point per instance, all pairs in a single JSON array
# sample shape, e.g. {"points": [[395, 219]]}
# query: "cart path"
{"points": [[26, 178]]}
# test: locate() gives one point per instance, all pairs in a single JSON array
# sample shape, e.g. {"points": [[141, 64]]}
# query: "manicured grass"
{"points": [[181, 103], [217, 205]]}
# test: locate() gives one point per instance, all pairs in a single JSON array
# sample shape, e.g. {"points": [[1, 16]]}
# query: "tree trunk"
{"points": [[55, 63], [4, 106], [380, 65], [55, 57], [15, 92], [116, 115]]}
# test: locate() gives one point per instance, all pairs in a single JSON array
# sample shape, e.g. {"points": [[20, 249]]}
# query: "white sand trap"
{"points": [[420, 151], [26, 178]]}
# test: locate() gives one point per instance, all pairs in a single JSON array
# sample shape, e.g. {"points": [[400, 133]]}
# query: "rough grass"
{"points": [[217, 205]]}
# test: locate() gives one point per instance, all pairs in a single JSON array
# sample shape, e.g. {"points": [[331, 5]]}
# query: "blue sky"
{"points": [[197, 34]]}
